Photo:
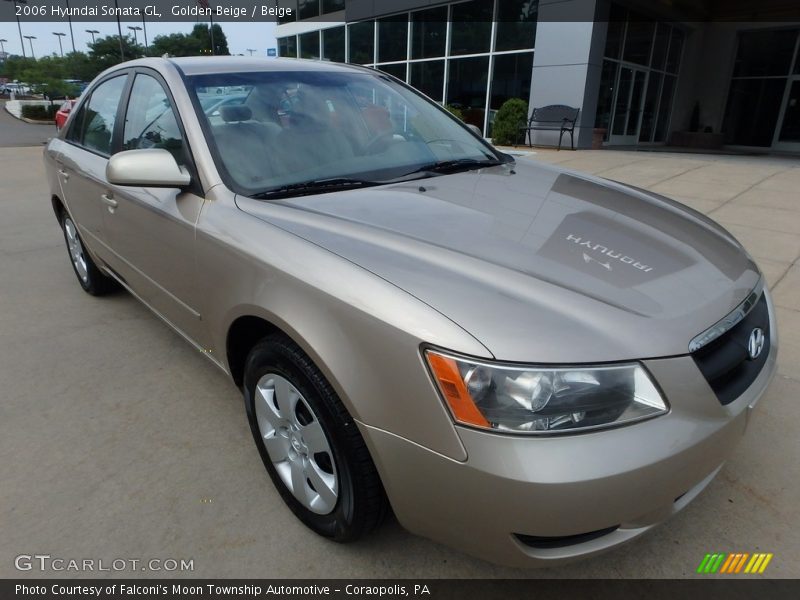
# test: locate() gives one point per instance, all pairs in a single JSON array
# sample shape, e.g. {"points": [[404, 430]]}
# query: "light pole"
{"points": [[30, 39], [92, 32], [60, 47], [146, 47], [119, 30], [19, 26], [251, 50], [3, 47], [134, 29], [69, 19]]}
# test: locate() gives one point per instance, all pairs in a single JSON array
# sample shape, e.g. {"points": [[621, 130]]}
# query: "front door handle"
{"points": [[64, 174], [110, 202]]}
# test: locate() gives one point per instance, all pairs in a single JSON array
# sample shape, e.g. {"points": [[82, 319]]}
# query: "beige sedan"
{"points": [[522, 362]]}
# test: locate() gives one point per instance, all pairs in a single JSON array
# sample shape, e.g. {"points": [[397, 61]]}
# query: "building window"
{"points": [[288, 17], [309, 45], [362, 42], [397, 70], [393, 38], [516, 24], [760, 77], [471, 30], [287, 47], [428, 78], [466, 88], [511, 78], [307, 9], [429, 33], [329, 6], [333, 44], [637, 81], [638, 41], [764, 53]]}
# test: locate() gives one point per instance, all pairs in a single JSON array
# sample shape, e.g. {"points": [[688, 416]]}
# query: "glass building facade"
{"points": [[635, 72], [471, 55]]}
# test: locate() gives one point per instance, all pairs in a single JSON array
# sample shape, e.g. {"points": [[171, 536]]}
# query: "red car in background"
{"points": [[63, 113]]}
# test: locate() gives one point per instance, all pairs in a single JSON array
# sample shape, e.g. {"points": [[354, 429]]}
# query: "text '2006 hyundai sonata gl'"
{"points": [[527, 364]]}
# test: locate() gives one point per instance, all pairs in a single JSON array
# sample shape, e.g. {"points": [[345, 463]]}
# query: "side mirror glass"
{"points": [[153, 167]]}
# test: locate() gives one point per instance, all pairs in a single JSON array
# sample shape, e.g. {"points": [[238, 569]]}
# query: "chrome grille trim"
{"points": [[729, 321]]}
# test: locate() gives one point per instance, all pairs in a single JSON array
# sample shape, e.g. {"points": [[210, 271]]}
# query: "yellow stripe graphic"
{"points": [[765, 563], [750, 564]]}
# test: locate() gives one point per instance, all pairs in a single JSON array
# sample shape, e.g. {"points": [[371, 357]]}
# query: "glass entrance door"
{"points": [[627, 117], [788, 133]]}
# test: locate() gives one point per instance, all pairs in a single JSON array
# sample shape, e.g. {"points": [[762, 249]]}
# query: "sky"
{"points": [[241, 36]]}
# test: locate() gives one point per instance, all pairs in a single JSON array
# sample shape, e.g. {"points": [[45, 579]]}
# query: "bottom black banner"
{"points": [[223, 589]]}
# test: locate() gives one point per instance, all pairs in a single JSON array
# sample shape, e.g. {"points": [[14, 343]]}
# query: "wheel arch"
{"points": [[244, 333], [59, 208]]}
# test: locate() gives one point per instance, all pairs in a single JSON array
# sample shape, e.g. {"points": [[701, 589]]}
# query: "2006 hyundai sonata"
{"points": [[525, 363]]}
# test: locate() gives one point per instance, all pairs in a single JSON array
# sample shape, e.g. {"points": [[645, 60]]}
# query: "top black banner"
{"points": [[287, 11]]}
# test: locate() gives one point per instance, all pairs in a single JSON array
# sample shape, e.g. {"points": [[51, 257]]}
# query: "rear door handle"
{"points": [[110, 202], [64, 174]]}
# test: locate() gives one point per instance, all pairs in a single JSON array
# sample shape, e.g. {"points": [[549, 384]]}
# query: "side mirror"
{"points": [[153, 167], [475, 129]]}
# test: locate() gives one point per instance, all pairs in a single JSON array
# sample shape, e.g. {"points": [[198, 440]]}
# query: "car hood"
{"points": [[537, 263]]}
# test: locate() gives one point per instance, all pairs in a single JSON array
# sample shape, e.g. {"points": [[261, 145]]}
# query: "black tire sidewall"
{"points": [[96, 283], [280, 358]]}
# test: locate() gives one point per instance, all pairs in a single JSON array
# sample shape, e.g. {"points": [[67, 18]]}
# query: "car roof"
{"points": [[204, 65]]}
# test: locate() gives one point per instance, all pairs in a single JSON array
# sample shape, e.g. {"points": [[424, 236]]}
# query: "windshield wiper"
{"points": [[454, 166], [314, 186]]}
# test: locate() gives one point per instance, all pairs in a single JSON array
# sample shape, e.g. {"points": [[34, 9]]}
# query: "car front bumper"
{"points": [[523, 501]]}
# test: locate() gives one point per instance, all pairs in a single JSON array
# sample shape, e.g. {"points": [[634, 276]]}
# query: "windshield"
{"points": [[279, 131]]}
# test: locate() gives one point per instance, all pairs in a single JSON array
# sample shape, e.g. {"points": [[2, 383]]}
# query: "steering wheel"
{"points": [[379, 142]]}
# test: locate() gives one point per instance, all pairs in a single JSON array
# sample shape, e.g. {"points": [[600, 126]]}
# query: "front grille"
{"points": [[725, 362]]}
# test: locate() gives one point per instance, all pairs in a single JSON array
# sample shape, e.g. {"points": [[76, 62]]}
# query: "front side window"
{"points": [[93, 127], [296, 127], [150, 121]]}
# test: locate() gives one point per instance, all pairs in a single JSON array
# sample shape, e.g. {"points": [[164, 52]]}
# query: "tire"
{"points": [[314, 445], [89, 276]]}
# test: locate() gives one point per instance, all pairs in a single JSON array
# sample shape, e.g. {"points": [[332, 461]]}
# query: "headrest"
{"points": [[235, 112]]}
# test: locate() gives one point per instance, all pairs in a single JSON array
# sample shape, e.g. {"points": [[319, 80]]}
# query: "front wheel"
{"points": [[89, 276], [309, 443]]}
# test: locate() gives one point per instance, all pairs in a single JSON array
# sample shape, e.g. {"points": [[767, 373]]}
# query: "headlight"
{"points": [[537, 400]]}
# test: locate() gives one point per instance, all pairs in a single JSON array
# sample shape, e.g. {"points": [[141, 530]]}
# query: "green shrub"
{"points": [[455, 111], [507, 123], [38, 112]]}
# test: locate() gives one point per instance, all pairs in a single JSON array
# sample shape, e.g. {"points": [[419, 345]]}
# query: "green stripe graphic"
{"points": [[702, 567]]}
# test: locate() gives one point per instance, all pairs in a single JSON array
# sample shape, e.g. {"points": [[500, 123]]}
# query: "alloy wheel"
{"points": [[296, 443]]}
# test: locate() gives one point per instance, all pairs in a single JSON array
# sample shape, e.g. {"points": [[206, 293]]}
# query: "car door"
{"points": [[82, 161], [151, 230]]}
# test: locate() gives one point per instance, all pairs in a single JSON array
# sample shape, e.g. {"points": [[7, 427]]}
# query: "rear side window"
{"points": [[150, 121], [94, 124]]}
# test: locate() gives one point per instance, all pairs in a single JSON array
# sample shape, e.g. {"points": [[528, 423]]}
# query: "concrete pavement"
{"points": [[120, 441], [16, 133]]}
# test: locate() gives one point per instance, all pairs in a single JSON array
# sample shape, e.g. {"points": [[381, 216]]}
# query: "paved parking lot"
{"points": [[120, 441]]}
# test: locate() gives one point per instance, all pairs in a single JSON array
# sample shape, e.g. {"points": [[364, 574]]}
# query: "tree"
{"points": [[78, 65], [513, 115], [105, 51], [203, 33], [176, 44], [196, 43]]}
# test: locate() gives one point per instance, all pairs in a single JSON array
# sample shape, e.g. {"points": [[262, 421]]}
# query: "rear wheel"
{"points": [[309, 443], [89, 276]]}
